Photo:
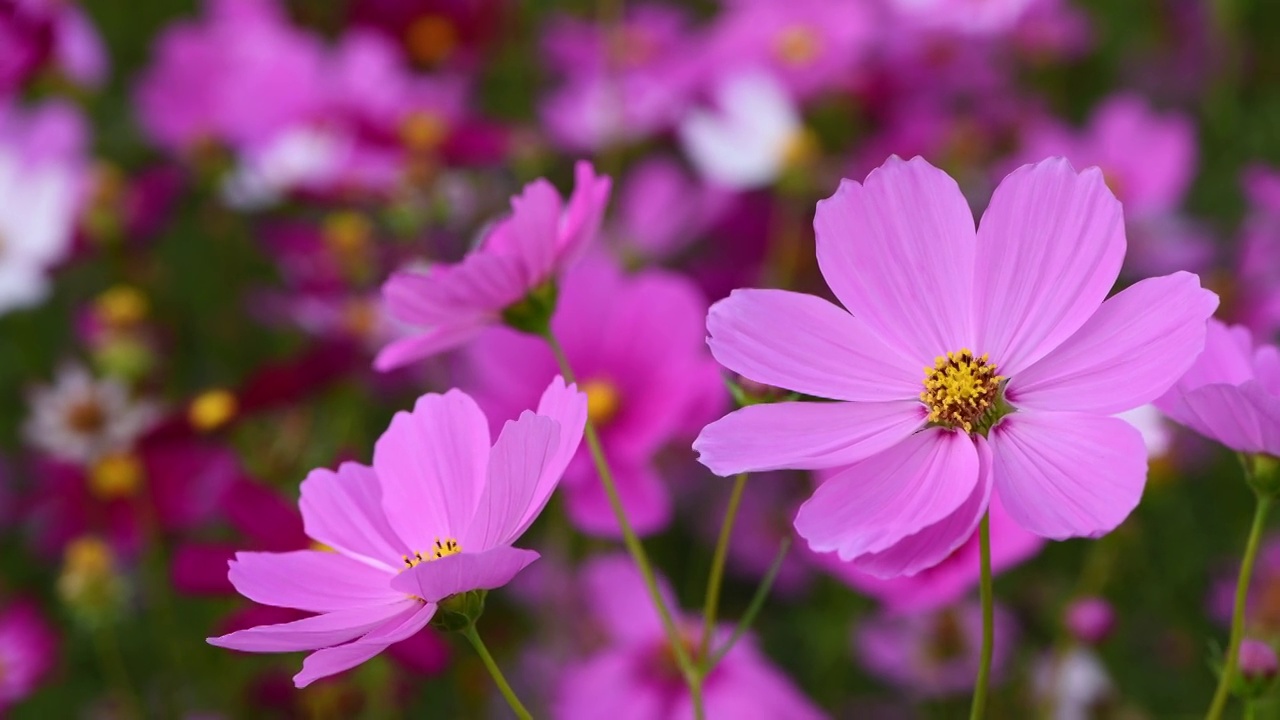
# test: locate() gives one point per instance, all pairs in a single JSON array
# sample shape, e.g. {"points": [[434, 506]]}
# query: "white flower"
{"points": [[81, 419], [37, 217], [298, 158], [1074, 685]]}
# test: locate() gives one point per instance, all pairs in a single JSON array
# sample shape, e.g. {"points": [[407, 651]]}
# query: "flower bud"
{"points": [[89, 583], [1090, 620], [1257, 661]]}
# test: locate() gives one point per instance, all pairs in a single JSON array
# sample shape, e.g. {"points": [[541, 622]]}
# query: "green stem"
{"points": [[113, 667], [516, 706], [753, 608], [714, 580], [1250, 709], [979, 707], [1237, 619], [629, 538]]}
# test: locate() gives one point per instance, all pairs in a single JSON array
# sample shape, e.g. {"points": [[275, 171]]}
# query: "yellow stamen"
{"points": [[118, 475], [347, 234], [122, 306], [212, 409], [423, 131], [960, 389], [438, 550], [797, 45], [603, 400]]}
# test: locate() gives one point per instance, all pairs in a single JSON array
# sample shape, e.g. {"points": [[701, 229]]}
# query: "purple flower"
{"points": [[967, 364], [434, 517]]}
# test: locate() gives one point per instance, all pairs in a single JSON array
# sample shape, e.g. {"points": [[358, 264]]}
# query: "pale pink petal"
{"points": [[331, 661], [314, 632], [644, 496], [1049, 249], [481, 284], [438, 339], [432, 464], [808, 345], [583, 213], [437, 579], [616, 593], [1226, 413], [343, 510], [310, 580], [898, 251], [1228, 357], [1064, 475], [1129, 353], [567, 405], [877, 502], [532, 230], [936, 543], [805, 435]]}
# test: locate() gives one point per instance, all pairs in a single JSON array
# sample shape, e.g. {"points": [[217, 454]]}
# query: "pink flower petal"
{"points": [[530, 233], [1064, 475], [1235, 415], [583, 213], [805, 435], [898, 251], [331, 661], [343, 510], [808, 345], [436, 580], [310, 580], [432, 465], [1049, 249], [881, 500], [616, 593], [314, 632], [643, 493], [1130, 352], [936, 543], [436, 340]]}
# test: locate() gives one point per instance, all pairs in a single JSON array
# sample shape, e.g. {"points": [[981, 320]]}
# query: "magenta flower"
{"points": [[452, 304], [634, 675], [28, 652], [636, 346], [1232, 392], [434, 517], [968, 363]]}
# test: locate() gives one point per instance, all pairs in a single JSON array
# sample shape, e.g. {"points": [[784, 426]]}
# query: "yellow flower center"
{"points": [[122, 306], [438, 550], [212, 409], [430, 39], [603, 401], [423, 131], [88, 567], [118, 475], [801, 149], [797, 45], [86, 416], [961, 391]]}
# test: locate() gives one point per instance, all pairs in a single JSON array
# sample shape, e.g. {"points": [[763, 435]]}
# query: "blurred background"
{"points": [[200, 201]]}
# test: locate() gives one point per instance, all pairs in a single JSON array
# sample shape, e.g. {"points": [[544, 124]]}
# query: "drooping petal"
{"points": [[879, 501], [1234, 415], [1129, 353], [898, 251], [805, 435], [435, 340], [331, 661], [1049, 249], [481, 284], [310, 580], [808, 345], [314, 632], [936, 543], [343, 510], [432, 464], [1064, 475], [436, 580]]}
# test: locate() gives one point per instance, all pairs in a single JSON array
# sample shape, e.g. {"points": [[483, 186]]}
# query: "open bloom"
{"points": [[523, 253], [28, 652], [968, 363], [435, 516]]}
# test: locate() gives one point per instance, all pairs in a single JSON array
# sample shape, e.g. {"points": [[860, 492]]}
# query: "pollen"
{"points": [[212, 409], [431, 38], [114, 476], [423, 131], [962, 391], [603, 400], [437, 550]]}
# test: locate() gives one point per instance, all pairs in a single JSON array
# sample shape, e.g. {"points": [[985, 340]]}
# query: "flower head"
{"points": [[82, 419], [28, 651], [433, 517], [967, 363]]}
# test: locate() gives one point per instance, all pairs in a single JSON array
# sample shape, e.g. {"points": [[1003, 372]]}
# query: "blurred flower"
{"points": [[1262, 604], [434, 32], [662, 211], [90, 583], [28, 651], [935, 653], [1256, 280], [634, 674], [925, 457], [520, 257], [1074, 685], [434, 517], [41, 34], [1090, 620], [636, 346], [976, 17], [81, 419], [1257, 661]]}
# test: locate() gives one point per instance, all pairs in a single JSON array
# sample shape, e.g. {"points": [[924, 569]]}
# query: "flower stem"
{"points": [[1237, 618], [979, 707], [629, 538], [516, 706], [716, 577]]}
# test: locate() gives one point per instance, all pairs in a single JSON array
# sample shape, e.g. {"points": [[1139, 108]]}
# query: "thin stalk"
{"points": [[716, 577], [516, 706], [979, 707], [1237, 619], [112, 661], [753, 608]]}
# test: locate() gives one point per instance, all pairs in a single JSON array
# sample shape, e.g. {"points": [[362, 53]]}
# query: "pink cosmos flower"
{"points": [[634, 674], [971, 17], [967, 364], [48, 34], [1232, 392], [452, 304], [1262, 606], [636, 346], [435, 516], [1256, 291], [28, 652], [662, 210]]}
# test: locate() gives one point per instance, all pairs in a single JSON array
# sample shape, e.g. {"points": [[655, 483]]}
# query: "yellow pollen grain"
{"points": [[959, 389], [212, 409], [438, 549], [603, 400], [115, 476]]}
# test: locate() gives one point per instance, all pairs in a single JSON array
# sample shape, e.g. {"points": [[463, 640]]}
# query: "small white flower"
{"points": [[1074, 685], [298, 158], [80, 419], [37, 217]]}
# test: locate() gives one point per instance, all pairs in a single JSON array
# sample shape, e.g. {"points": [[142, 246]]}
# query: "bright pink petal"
{"points": [[619, 600], [808, 345], [1234, 415], [438, 339], [1133, 348], [530, 233], [583, 213], [331, 661], [1064, 475], [936, 543], [805, 435], [314, 632], [879, 501], [343, 510], [1228, 357], [898, 251], [436, 580], [481, 284], [432, 464], [1049, 249], [310, 580], [644, 496]]}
